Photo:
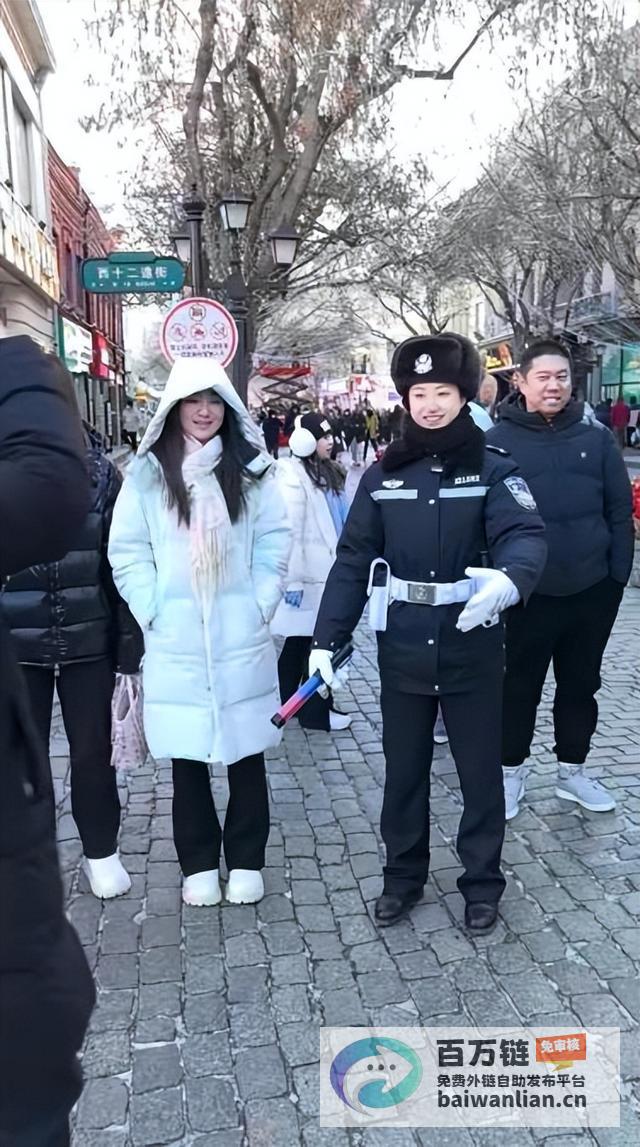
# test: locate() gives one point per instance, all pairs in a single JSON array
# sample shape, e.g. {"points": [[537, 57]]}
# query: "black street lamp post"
{"points": [[234, 213]]}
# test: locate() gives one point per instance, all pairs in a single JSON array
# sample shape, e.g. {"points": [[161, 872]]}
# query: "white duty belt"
{"points": [[390, 588]]}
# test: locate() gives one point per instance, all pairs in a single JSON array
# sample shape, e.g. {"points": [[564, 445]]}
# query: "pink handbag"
{"points": [[128, 742]]}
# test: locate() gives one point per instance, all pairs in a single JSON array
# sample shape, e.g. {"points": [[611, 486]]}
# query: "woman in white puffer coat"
{"points": [[199, 546], [313, 489]]}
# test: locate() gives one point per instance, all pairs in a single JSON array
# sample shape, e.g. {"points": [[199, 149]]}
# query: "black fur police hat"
{"points": [[446, 358]]}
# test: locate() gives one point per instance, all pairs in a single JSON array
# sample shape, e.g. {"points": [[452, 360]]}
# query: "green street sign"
{"points": [[132, 272]]}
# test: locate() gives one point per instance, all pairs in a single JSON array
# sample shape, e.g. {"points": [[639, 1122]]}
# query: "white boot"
{"points": [[574, 785], [202, 889], [514, 784], [338, 721], [107, 877], [245, 886]]}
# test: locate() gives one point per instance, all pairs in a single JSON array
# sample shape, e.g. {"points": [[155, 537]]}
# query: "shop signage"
{"points": [[199, 328], [26, 246], [77, 347], [132, 272]]}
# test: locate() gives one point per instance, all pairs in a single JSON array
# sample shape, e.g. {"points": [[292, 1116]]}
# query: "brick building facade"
{"points": [[90, 331]]}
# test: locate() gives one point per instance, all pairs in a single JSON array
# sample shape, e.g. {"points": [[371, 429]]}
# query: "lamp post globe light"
{"points": [[234, 211], [284, 245]]}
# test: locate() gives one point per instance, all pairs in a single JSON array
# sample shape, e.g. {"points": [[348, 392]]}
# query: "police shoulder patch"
{"points": [[519, 490]]}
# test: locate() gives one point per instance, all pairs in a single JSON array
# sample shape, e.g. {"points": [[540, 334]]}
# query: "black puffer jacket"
{"points": [[579, 481], [46, 992], [70, 611]]}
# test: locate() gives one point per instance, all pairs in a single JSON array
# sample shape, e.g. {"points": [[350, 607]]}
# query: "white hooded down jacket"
{"points": [[209, 670], [313, 551]]}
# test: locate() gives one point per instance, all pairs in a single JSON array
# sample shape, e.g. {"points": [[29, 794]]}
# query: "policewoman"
{"points": [[443, 536]]}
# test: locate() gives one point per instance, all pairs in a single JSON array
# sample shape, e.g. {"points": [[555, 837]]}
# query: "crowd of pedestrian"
{"points": [[489, 541]]}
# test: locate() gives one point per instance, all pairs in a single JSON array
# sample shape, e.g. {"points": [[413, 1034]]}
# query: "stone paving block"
{"points": [[289, 970], [306, 1087], [156, 1068], [204, 974], [203, 940], [275, 908], [260, 1073], [221, 1139], [580, 925], [236, 918], [117, 972], [102, 1103], [491, 1010], [247, 985], [158, 1030], [299, 1043], [108, 1053], [210, 1104], [84, 914], [598, 1011], [157, 1118], [315, 1136], [356, 930], [163, 901], [283, 939], [308, 892], [343, 1008], [433, 996], [272, 1123], [324, 946], [115, 1137], [119, 937], [206, 1013], [291, 1003], [161, 931], [159, 1000], [207, 1054], [531, 992], [251, 1025], [114, 1011], [160, 965], [607, 959], [330, 975]]}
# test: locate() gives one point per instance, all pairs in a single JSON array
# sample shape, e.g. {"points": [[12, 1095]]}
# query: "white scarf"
{"points": [[210, 530]]}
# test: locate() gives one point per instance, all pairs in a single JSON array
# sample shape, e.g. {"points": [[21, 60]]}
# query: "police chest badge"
{"points": [[518, 488], [393, 484]]}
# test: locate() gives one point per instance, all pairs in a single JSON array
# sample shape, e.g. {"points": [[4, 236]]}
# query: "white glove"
{"points": [[320, 662], [493, 592]]}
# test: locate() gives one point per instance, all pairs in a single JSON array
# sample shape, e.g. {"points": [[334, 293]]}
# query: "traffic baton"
{"points": [[308, 688]]}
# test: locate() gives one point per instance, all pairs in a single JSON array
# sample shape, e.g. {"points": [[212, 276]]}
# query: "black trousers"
{"points": [[369, 441], [85, 690], [197, 833], [572, 633], [292, 670], [473, 721]]}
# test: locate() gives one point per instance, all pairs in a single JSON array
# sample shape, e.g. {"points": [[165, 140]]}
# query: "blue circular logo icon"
{"points": [[371, 1074]]}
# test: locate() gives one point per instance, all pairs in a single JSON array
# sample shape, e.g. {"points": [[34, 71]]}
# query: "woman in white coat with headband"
{"points": [[313, 489], [199, 547]]}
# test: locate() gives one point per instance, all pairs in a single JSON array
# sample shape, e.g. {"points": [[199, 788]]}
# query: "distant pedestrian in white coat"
{"points": [[313, 488], [199, 547]]}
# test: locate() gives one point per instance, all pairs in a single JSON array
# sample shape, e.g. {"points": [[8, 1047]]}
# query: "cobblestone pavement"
{"points": [[206, 1030]]}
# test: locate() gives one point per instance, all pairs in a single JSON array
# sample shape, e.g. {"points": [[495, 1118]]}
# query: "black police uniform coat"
{"points": [[429, 528]]}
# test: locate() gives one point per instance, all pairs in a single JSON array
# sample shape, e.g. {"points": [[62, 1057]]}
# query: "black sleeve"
{"points": [[127, 636], [618, 510], [345, 594], [44, 487], [515, 532]]}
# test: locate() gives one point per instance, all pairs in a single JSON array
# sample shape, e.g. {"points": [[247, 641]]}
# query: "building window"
{"points": [[22, 187], [5, 140]]}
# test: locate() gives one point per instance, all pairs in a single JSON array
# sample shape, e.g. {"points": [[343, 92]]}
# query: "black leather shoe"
{"points": [[480, 917], [393, 906]]}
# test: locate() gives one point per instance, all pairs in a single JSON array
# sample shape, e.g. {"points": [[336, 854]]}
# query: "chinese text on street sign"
{"points": [[199, 328], [132, 272]]}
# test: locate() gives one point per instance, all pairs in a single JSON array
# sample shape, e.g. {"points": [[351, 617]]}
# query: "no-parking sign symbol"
{"points": [[199, 328]]}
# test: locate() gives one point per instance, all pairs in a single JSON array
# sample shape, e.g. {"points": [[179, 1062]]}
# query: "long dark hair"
{"points": [[324, 473], [231, 471]]}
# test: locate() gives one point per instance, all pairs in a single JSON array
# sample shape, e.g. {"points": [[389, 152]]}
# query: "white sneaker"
{"points": [[202, 888], [338, 721], [107, 877], [514, 785], [574, 785], [245, 886], [440, 735]]}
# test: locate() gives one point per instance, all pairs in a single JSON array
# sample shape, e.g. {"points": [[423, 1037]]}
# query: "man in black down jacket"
{"points": [[46, 992], [582, 490], [71, 629]]}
